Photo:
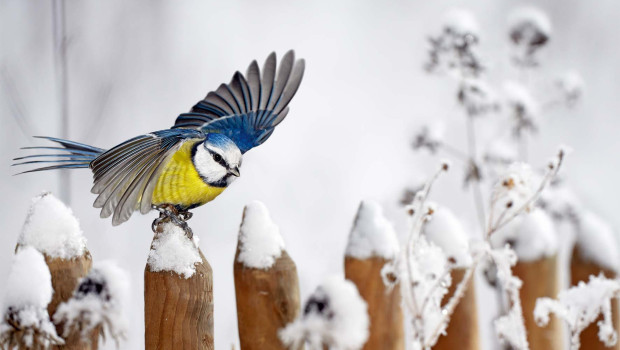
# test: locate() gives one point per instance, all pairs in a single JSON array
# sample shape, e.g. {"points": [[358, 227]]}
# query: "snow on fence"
{"points": [[178, 292], [66, 304], [266, 282], [49, 308], [372, 244]]}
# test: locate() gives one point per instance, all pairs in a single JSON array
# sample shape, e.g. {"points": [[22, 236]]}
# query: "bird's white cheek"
{"points": [[207, 167]]}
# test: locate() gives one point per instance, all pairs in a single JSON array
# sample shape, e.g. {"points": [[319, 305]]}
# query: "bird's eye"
{"points": [[217, 157]]}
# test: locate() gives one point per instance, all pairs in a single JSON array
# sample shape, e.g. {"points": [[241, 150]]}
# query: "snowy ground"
{"points": [[135, 66]]}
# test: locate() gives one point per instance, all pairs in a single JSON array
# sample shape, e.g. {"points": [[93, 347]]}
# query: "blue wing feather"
{"points": [[248, 110]]}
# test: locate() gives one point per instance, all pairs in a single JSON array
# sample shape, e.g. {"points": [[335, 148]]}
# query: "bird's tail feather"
{"points": [[72, 155]]}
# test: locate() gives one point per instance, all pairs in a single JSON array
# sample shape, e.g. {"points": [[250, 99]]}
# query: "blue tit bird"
{"points": [[195, 160]]}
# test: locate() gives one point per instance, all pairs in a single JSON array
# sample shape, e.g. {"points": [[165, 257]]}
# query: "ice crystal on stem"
{"points": [[423, 272], [510, 328], [582, 305], [512, 190], [506, 190]]}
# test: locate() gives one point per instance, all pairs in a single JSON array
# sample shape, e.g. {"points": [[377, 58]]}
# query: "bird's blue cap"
{"points": [[220, 140]]}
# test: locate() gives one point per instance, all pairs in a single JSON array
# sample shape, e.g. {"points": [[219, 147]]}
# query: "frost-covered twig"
{"points": [[552, 169], [423, 271], [509, 327], [582, 305], [514, 197], [448, 309]]}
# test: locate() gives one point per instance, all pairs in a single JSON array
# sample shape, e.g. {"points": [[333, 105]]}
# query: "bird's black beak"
{"points": [[235, 171]]}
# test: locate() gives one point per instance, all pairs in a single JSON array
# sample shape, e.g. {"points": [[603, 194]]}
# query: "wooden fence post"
{"points": [[178, 293], [595, 252], [52, 229], [446, 231], [266, 282], [66, 275], [24, 322], [372, 244], [540, 279], [384, 311]]}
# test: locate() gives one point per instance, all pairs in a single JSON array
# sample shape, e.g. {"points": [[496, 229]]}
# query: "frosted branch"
{"points": [[581, 306]]}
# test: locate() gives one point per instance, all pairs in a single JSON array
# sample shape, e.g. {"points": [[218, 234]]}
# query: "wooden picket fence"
{"points": [[179, 311]]}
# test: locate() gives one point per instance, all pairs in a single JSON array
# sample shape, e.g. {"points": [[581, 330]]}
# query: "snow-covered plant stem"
{"points": [[449, 308], [425, 276], [508, 215], [582, 305], [422, 271], [510, 326]]}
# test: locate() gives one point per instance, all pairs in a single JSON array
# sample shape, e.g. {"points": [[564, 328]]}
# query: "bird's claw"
{"points": [[168, 213]]}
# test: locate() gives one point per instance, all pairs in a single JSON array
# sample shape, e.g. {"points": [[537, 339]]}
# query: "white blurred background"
{"points": [[134, 66]]}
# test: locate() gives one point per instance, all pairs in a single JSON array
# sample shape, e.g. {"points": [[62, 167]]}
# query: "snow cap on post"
{"points": [[260, 242], [173, 251], [98, 301], [532, 236], [335, 315], [52, 229], [372, 234], [596, 241], [446, 231], [25, 305]]}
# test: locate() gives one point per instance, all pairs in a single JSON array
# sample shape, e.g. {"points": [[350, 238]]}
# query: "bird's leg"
{"points": [[168, 212], [186, 215]]}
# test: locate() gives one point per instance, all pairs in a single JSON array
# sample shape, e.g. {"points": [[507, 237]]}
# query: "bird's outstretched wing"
{"points": [[248, 108], [125, 176]]}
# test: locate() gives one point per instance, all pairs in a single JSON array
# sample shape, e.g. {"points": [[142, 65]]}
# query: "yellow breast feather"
{"points": [[180, 183]]}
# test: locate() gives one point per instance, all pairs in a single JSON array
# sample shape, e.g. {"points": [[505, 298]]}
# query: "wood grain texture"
{"points": [[462, 331], [267, 300], [384, 309], [581, 269], [178, 312], [65, 277], [540, 279]]}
